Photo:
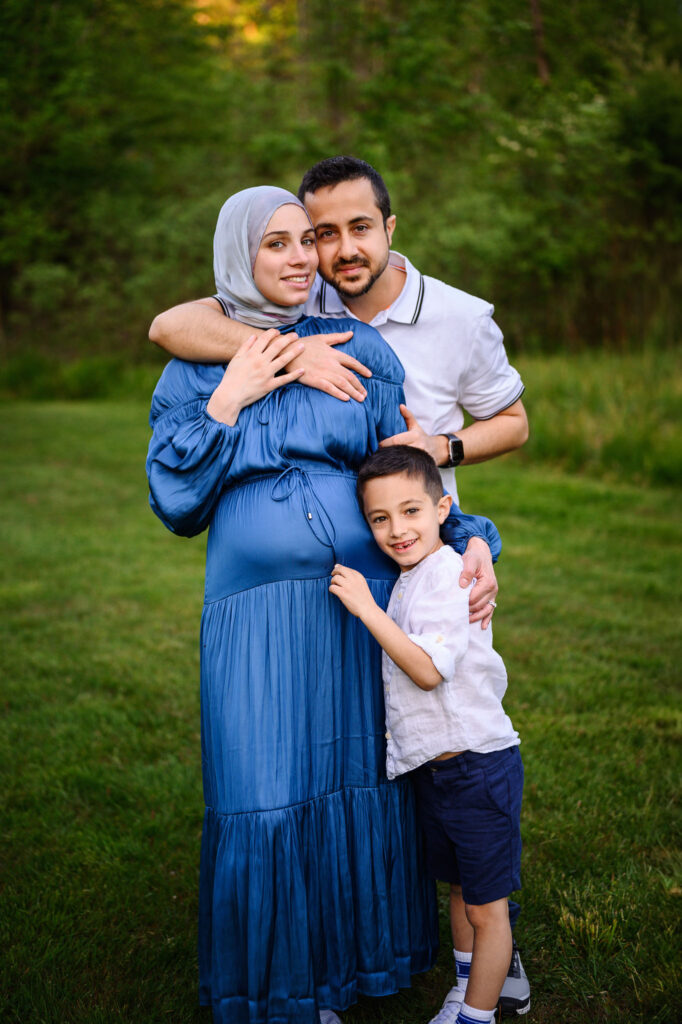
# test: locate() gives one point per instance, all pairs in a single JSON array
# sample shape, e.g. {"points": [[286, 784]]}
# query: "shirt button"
{"points": [[388, 735], [400, 595]]}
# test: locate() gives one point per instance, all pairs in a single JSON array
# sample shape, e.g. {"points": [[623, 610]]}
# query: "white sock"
{"points": [[470, 1015], [463, 965]]}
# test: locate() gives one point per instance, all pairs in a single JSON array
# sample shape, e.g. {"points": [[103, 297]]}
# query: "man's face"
{"points": [[352, 241]]}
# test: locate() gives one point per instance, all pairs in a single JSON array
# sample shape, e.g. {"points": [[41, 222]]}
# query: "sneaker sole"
{"points": [[510, 1009]]}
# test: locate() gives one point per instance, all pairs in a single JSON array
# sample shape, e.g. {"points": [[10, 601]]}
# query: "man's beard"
{"points": [[346, 293]]}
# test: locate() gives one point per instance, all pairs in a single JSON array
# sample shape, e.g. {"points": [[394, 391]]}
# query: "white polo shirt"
{"points": [[465, 711], [450, 347]]}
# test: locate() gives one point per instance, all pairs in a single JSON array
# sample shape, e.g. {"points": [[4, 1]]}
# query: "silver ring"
{"points": [[493, 604]]}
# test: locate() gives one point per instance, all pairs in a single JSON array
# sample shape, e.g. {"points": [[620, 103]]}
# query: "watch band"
{"points": [[455, 450]]}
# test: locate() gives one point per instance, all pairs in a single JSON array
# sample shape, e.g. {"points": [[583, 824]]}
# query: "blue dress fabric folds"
{"points": [[312, 886]]}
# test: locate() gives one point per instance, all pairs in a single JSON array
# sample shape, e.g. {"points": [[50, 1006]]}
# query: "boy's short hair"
{"points": [[337, 169], [401, 458]]}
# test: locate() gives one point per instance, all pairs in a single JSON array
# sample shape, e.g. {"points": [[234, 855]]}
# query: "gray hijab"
{"points": [[240, 228]]}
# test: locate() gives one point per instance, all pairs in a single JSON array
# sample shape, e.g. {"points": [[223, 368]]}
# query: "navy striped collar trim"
{"points": [[328, 296]]}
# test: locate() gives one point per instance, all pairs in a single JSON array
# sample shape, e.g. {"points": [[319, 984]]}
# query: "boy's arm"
{"points": [[351, 589], [199, 332]]}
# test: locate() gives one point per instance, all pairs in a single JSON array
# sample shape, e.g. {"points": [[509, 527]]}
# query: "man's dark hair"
{"points": [[336, 169], [401, 458]]}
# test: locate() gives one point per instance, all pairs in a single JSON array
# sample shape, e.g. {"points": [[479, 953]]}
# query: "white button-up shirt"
{"points": [[450, 347], [465, 711]]}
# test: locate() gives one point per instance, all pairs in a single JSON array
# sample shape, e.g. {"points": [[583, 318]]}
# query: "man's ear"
{"points": [[444, 506], [390, 227]]}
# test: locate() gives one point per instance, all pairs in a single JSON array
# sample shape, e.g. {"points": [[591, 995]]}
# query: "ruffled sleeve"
{"points": [[190, 453], [459, 528]]}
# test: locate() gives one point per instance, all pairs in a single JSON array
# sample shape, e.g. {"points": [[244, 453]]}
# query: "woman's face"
{"points": [[287, 257]]}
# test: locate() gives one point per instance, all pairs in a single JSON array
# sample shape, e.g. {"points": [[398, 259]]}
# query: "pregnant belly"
{"points": [[292, 526]]}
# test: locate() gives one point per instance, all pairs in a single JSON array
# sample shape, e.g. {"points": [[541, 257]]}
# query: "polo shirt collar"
{"points": [[404, 310]]}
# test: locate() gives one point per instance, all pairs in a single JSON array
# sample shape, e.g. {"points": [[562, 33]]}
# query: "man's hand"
{"points": [[352, 591], [416, 437], [328, 370], [478, 564]]}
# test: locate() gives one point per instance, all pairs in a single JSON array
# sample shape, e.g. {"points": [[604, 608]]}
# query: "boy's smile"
{"points": [[403, 518]]}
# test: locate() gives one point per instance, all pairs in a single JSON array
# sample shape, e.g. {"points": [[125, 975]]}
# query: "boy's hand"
{"points": [[352, 591]]}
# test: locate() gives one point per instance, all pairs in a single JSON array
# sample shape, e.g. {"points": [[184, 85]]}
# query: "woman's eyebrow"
{"points": [[268, 234]]}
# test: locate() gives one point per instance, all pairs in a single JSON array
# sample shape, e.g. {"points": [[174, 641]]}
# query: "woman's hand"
{"points": [[352, 591], [251, 374]]}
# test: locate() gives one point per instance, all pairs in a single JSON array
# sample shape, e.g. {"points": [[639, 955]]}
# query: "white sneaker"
{"points": [[449, 1011], [515, 994], [329, 1017]]}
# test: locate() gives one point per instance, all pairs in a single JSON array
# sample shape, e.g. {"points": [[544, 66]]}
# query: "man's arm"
{"points": [[201, 333], [486, 439], [482, 440]]}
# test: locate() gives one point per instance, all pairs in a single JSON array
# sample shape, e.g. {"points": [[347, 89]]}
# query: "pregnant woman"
{"points": [[312, 887]]}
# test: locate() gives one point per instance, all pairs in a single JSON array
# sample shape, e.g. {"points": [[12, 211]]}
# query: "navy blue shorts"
{"points": [[469, 809]]}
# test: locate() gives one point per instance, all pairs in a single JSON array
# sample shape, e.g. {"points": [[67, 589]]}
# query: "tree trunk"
{"points": [[539, 37]]}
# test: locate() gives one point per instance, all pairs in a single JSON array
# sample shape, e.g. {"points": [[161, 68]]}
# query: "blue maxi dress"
{"points": [[312, 886]]}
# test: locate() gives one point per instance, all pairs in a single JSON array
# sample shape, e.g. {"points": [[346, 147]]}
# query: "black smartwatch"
{"points": [[455, 450]]}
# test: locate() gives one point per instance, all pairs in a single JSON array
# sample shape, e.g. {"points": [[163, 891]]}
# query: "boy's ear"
{"points": [[444, 505]]}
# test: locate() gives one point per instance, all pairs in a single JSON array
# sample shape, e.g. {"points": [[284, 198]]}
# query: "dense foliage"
{"points": [[533, 151]]}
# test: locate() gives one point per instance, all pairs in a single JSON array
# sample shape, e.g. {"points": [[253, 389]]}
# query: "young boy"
{"points": [[443, 688]]}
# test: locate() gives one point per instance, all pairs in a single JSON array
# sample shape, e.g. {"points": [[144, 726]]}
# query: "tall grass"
{"points": [[99, 746], [613, 415]]}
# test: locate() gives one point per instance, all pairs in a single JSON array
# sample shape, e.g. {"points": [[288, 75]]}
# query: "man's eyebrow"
{"points": [[333, 224]]}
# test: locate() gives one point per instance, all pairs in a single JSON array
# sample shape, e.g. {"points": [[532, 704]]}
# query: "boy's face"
{"points": [[403, 517]]}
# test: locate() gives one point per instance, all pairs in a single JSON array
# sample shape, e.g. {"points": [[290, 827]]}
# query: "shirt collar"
{"points": [[410, 574], [404, 310]]}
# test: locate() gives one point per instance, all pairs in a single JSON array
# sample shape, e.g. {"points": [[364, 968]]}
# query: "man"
{"points": [[447, 341]]}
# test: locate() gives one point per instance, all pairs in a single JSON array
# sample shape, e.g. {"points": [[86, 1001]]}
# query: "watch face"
{"points": [[456, 450]]}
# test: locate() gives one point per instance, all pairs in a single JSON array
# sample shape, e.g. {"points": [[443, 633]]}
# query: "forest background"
{"points": [[533, 152]]}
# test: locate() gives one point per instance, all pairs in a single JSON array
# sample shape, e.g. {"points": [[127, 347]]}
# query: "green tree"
{"points": [[100, 115]]}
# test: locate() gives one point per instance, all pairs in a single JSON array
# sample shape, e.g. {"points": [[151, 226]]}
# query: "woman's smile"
{"points": [[286, 261]]}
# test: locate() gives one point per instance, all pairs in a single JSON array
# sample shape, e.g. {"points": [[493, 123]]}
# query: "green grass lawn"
{"points": [[99, 734]]}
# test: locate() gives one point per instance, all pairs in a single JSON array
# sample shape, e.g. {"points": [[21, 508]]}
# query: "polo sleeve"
{"points": [[439, 618], [490, 384]]}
